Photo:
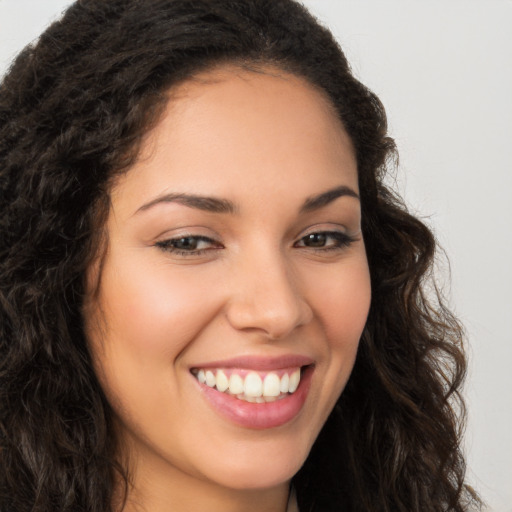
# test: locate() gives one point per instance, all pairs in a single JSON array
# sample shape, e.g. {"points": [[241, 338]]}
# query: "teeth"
{"points": [[210, 379], [271, 385], [294, 381], [285, 382], [236, 384], [222, 381], [255, 387]]}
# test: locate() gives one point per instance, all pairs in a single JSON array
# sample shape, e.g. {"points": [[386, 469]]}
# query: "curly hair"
{"points": [[74, 108]]}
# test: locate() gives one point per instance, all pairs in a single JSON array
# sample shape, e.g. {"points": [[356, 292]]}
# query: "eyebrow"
{"points": [[207, 204], [218, 205], [319, 201]]}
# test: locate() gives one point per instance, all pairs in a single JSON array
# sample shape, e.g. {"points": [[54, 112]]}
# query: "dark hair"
{"points": [[73, 109]]}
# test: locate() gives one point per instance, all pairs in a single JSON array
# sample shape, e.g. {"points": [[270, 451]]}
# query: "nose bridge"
{"points": [[265, 295]]}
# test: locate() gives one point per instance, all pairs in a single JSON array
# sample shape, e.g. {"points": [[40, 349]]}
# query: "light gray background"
{"points": [[443, 70]]}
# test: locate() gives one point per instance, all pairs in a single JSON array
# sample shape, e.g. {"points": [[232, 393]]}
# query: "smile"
{"points": [[256, 392], [249, 385]]}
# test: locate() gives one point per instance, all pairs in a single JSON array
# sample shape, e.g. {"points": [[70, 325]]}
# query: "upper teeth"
{"points": [[250, 385]]}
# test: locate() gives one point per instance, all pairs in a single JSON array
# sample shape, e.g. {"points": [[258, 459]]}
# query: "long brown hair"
{"points": [[73, 109]]}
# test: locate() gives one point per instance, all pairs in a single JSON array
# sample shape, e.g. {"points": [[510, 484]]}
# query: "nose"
{"points": [[265, 298]]}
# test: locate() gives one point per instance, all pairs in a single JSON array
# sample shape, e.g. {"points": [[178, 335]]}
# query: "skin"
{"points": [[267, 142]]}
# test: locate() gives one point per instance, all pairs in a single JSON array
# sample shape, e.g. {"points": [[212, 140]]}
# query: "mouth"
{"points": [[256, 394], [249, 385]]}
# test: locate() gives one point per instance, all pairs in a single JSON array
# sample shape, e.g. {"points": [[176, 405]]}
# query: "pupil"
{"points": [[316, 240], [186, 243]]}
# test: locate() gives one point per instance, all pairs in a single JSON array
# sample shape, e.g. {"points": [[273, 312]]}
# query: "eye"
{"points": [[190, 245], [325, 240]]}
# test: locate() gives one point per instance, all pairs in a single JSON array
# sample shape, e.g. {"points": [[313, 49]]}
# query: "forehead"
{"points": [[232, 129]]}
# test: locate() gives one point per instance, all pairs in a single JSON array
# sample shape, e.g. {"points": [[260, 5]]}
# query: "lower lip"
{"points": [[260, 416]]}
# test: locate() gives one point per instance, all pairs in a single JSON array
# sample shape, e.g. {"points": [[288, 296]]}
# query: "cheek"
{"points": [[342, 303], [156, 311], [146, 317]]}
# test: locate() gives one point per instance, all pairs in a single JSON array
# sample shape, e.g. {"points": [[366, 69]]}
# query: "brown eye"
{"points": [[315, 240], [188, 243], [325, 240]]}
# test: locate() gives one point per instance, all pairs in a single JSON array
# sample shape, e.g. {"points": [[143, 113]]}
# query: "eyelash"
{"points": [[170, 245], [341, 241]]}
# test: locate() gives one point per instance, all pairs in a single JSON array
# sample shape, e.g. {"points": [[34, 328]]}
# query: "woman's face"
{"points": [[235, 266]]}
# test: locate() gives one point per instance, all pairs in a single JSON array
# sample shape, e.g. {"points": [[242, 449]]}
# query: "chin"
{"points": [[258, 477], [263, 469]]}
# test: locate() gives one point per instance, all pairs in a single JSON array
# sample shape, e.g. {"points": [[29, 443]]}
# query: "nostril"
{"points": [[267, 300]]}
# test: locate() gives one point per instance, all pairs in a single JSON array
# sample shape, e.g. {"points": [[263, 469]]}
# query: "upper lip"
{"points": [[261, 363]]}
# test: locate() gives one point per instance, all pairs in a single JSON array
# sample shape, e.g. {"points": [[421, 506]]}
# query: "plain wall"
{"points": [[443, 70]]}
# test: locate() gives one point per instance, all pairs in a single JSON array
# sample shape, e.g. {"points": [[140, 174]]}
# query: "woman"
{"points": [[208, 295]]}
